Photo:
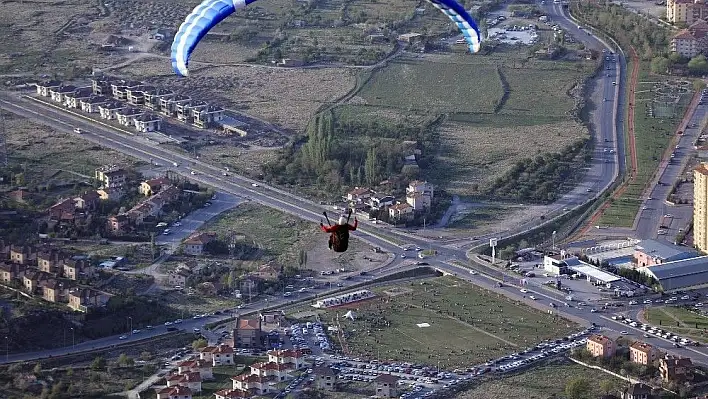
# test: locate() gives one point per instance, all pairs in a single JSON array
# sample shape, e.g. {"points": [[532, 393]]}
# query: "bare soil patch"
{"points": [[284, 96]]}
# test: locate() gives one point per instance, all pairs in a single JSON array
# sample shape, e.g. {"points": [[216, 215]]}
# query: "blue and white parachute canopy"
{"points": [[462, 19], [210, 12]]}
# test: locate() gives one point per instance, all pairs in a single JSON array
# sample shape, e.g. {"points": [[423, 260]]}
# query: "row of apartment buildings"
{"points": [[132, 103], [686, 11], [82, 98], [51, 274], [671, 368], [419, 196]]}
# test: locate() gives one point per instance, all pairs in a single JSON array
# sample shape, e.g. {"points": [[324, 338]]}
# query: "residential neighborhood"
{"points": [[132, 104]]}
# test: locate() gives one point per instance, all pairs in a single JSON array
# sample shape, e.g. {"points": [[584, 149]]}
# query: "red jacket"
{"points": [[338, 227]]}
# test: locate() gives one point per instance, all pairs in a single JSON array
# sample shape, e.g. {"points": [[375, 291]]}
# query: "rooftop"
{"points": [[594, 273], [664, 251], [681, 273]]}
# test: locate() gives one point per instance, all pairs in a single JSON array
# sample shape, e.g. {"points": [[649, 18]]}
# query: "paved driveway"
{"points": [[196, 219]]}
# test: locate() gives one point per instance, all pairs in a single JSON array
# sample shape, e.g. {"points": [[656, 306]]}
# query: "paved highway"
{"points": [[655, 208]]}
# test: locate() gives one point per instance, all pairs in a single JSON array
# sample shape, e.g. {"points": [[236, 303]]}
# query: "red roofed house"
{"points": [[288, 356], [601, 346], [203, 367], [217, 355], [692, 41], [400, 211], [195, 244], [174, 392], [279, 372], [153, 186], [359, 194], [191, 380], [248, 333], [642, 353], [232, 394], [673, 368], [253, 384]]}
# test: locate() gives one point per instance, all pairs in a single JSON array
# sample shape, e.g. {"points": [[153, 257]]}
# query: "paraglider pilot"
{"points": [[339, 233]]}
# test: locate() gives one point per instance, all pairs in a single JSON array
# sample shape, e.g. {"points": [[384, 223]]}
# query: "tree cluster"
{"points": [[540, 179]]}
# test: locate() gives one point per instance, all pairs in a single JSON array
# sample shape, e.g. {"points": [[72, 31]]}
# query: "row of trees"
{"points": [[543, 178], [629, 29]]}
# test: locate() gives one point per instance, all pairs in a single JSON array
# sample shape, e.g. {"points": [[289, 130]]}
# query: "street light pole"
{"points": [[7, 349], [73, 341], [553, 235]]}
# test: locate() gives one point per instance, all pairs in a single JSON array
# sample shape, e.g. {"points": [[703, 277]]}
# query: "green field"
{"points": [[679, 320], [543, 382], [653, 136], [423, 86], [276, 235], [467, 324]]}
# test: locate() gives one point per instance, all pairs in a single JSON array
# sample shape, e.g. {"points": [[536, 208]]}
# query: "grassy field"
{"points": [[680, 321], [476, 140], [277, 234], [475, 217], [468, 325], [481, 151], [432, 87], [540, 382], [42, 152], [653, 137]]}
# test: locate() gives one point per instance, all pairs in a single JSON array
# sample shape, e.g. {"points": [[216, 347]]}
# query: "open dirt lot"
{"points": [[540, 382], [284, 96], [280, 236], [43, 152], [467, 325]]}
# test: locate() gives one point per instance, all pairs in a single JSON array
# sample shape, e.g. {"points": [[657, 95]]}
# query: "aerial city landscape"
{"points": [[340, 199]]}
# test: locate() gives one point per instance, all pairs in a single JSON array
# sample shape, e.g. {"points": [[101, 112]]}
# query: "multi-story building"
{"points": [[294, 358], [153, 186], [126, 116], [325, 378], [386, 386], [81, 299], [136, 95], [649, 253], [23, 254], [44, 88], [207, 116], [152, 97], [190, 379], [73, 100], [75, 269], [601, 346], [168, 104], [248, 333], [217, 355], [691, 41], [686, 11], [50, 260], [111, 176], [420, 187], [184, 110], [109, 111], [677, 369], [91, 105], [58, 94], [700, 207], [203, 367], [120, 89], [148, 123], [642, 353]]}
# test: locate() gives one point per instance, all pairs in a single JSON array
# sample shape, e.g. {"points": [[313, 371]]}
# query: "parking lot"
{"points": [[426, 381]]}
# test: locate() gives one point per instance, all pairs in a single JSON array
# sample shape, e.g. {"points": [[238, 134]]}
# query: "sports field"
{"points": [[443, 320]]}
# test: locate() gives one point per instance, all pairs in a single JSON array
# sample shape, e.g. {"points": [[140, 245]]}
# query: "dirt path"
{"points": [[487, 333]]}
